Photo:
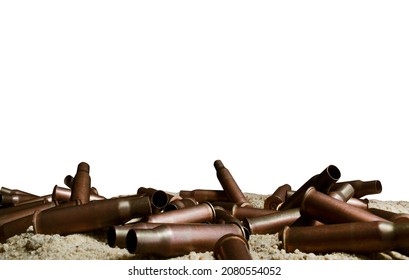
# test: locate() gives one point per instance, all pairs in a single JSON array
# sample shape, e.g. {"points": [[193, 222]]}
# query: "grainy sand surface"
{"points": [[93, 246]]}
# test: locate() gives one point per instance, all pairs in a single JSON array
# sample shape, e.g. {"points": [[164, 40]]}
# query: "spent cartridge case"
{"points": [[358, 237], [390, 216], [363, 188], [202, 212], [232, 247], [202, 195], [323, 183], [277, 198], [180, 203], [64, 194], [94, 215], [329, 210], [82, 184], [271, 223], [229, 185], [171, 240]]}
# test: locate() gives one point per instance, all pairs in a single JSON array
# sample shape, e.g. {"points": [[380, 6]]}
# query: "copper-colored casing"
{"points": [[359, 237], [363, 188], [64, 194], [277, 198], [323, 182], [271, 223], [82, 184], [203, 212], [171, 240], [232, 247], [329, 210], [390, 216], [91, 216], [229, 185], [202, 195]]}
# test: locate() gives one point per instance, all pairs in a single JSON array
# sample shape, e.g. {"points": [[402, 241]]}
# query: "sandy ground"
{"points": [[93, 246]]}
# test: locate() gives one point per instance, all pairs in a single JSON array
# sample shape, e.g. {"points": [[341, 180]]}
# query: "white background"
{"points": [[151, 93]]}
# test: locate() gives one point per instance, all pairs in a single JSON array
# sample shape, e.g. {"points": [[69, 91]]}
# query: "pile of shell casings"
{"points": [[322, 216]]}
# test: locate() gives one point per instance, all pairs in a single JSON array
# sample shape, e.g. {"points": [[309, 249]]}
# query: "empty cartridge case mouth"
{"points": [[232, 247], [159, 199]]}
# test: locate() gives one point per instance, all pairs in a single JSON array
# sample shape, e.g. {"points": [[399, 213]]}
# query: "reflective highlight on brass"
{"points": [[360, 237], [232, 247], [229, 185], [390, 216]]}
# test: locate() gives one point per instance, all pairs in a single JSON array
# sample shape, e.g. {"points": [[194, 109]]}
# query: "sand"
{"points": [[93, 245]]}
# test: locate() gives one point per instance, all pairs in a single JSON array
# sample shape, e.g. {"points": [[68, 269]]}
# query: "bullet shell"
{"points": [[363, 188], [322, 182], [203, 212], [94, 215], [172, 240], [232, 247], [355, 238], [271, 223], [7, 200], [390, 216], [229, 185], [64, 194], [82, 184], [329, 210], [201, 195], [277, 198]]}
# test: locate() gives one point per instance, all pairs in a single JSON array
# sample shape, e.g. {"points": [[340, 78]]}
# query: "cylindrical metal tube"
{"points": [[9, 200], [277, 198], [171, 240], [229, 185], [323, 182], [4, 190], [23, 211], [390, 216], [329, 210], [91, 216], [232, 247], [249, 212], [203, 212], [359, 237], [271, 223], [64, 194], [342, 191], [363, 188], [201, 195], [82, 184]]}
